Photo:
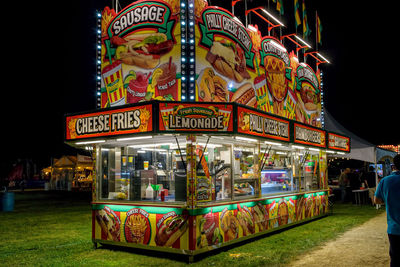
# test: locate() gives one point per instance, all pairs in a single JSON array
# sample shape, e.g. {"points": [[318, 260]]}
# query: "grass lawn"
{"points": [[49, 229]]}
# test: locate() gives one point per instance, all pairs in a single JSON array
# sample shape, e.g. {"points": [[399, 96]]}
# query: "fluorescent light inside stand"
{"points": [[90, 142], [272, 143], [246, 139], [134, 138]]}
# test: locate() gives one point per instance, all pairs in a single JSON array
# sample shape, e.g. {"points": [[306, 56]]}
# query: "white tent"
{"points": [[360, 149]]}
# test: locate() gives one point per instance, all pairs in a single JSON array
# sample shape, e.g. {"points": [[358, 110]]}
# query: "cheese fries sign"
{"points": [[136, 119]]}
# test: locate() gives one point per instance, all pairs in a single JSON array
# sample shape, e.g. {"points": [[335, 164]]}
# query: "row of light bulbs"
{"points": [[98, 60], [187, 50]]}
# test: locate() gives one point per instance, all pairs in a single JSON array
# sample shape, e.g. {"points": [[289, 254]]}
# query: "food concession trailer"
{"points": [[191, 177], [205, 134]]}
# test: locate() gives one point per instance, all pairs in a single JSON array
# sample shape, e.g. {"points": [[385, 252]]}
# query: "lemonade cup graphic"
{"points": [[112, 76], [260, 86], [165, 117], [166, 83], [226, 114]]}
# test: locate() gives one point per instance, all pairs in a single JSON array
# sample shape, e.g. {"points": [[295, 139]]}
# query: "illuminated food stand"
{"points": [[193, 153]]}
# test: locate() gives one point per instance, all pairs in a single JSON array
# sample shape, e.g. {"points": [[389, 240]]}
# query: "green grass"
{"points": [[48, 229]]}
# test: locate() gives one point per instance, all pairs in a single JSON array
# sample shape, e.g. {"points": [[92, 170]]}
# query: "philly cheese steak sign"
{"points": [[338, 142], [217, 21], [195, 117], [260, 124], [309, 136], [136, 119]]}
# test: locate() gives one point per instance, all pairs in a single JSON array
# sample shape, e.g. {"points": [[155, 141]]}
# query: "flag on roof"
{"points": [[297, 13], [306, 29], [319, 30]]}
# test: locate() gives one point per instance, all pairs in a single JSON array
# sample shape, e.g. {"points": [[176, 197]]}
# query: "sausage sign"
{"points": [[140, 53]]}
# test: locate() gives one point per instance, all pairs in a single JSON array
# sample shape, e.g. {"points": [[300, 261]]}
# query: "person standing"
{"points": [[388, 193], [370, 181], [344, 183]]}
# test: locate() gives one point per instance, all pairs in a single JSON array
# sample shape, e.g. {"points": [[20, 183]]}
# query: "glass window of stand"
{"points": [[277, 169], [214, 167], [232, 164], [246, 175], [152, 169], [307, 166], [289, 168], [144, 169]]}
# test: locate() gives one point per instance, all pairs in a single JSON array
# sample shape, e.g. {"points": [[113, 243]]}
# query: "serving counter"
{"points": [[204, 228]]}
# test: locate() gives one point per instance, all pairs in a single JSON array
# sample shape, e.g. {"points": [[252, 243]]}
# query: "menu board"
{"points": [[309, 136], [140, 53], [137, 119], [196, 117], [338, 142], [260, 124]]}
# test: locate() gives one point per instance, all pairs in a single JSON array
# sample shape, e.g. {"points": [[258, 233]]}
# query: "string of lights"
{"points": [[98, 60]]}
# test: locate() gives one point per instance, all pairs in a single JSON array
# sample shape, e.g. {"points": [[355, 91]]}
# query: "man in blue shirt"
{"points": [[388, 192]]}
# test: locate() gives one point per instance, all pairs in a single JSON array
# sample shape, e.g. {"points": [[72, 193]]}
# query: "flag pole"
{"points": [[304, 25], [296, 26], [245, 8], [317, 30], [269, 32], [316, 36], [280, 18]]}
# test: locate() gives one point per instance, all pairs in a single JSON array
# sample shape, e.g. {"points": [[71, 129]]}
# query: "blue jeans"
{"points": [[343, 193]]}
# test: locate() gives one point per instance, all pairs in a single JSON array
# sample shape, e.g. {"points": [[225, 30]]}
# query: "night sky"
{"points": [[51, 72]]}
